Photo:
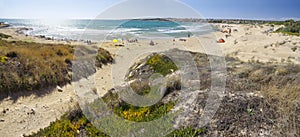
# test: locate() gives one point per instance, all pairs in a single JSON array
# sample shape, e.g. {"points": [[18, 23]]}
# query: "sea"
{"points": [[98, 30]]}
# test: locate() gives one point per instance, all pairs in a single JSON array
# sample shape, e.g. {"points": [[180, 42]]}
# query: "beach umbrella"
{"points": [[221, 41], [115, 41]]}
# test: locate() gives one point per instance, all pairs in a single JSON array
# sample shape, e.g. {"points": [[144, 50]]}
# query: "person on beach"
{"points": [[152, 43]]}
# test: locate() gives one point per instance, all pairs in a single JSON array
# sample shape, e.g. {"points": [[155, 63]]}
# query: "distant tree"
{"points": [[290, 22]]}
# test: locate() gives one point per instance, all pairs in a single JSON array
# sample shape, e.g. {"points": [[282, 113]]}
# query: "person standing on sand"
{"points": [[152, 43]]}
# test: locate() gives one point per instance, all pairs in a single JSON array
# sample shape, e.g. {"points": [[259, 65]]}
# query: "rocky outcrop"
{"points": [[3, 25]]}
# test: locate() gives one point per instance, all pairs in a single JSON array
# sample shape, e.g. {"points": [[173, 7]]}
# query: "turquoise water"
{"points": [[98, 30]]}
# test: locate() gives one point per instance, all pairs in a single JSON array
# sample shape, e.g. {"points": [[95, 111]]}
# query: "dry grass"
{"points": [[32, 66], [279, 84], [287, 101]]}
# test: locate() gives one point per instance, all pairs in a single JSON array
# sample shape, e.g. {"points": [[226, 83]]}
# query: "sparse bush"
{"points": [[235, 42], [12, 54], [187, 132], [72, 124], [294, 49], [281, 71], [103, 57], [3, 59], [4, 36], [257, 75], [291, 27]]}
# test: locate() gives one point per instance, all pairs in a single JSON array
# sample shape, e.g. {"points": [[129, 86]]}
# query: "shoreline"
{"points": [[248, 43]]}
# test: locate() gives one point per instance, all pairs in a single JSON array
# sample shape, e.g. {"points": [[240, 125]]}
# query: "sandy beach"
{"points": [[248, 43]]}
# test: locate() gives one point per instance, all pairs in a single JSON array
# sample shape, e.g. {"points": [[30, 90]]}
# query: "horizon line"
{"points": [[216, 18]]}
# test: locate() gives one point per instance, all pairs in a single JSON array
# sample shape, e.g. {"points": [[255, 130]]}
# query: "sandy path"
{"points": [[29, 114]]}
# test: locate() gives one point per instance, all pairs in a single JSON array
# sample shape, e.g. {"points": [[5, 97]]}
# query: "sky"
{"points": [[90, 9]]}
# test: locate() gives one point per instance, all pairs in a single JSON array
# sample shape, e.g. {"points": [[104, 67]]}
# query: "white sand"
{"points": [[47, 109], [252, 43]]}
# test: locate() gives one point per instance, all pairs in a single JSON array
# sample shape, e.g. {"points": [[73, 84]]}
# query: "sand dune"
{"points": [[249, 42]]}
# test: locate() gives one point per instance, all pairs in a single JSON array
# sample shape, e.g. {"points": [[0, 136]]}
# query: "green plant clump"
{"points": [[4, 36], [3, 59], [103, 57], [291, 27], [143, 114], [161, 64], [75, 123], [70, 125]]}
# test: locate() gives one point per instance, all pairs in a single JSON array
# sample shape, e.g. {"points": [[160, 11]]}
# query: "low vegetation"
{"points": [[143, 114], [71, 124], [103, 57], [161, 64], [74, 123], [30, 66], [187, 132], [291, 27], [33, 66], [4, 36], [279, 85], [67, 126], [158, 64], [261, 99]]}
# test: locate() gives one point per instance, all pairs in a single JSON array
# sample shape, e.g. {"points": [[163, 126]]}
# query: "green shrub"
{"points": [[70, 125], [291, 27], [12, 54], [103, 57], [74, 123], [294, 49], [143, 114], [4, 36], [162, 64]]}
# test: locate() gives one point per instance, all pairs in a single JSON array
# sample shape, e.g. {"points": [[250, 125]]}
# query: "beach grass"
{"points": [[291, 27], [31, 66], [279, 85]]}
